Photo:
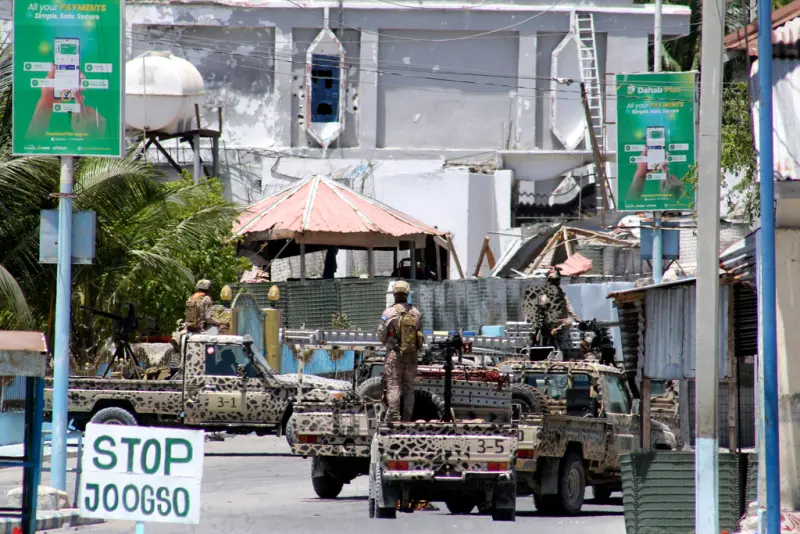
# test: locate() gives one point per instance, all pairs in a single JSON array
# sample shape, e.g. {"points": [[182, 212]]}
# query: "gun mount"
{"points": [[445, 350], [122, 328]]}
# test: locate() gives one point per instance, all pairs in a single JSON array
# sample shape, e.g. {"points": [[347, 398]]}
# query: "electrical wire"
{"points": [[353, 66]]}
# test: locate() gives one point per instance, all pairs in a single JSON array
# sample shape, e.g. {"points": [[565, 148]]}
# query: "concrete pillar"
{"points": [[284, 83], [368, 92], [787, 274], [524, 130]]}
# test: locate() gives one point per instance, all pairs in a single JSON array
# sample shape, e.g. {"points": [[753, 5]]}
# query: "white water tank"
{"points": [[161, 90]]}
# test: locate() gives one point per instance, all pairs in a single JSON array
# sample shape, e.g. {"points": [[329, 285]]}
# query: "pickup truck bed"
{"points": [[462, 464]]}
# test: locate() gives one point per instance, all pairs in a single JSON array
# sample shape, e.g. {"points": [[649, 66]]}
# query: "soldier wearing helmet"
{"points": [[400, 330], [554, 279], [198, 309]]}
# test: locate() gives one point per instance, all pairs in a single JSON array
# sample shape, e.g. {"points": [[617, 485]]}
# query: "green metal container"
{"points": [[658, 491]]}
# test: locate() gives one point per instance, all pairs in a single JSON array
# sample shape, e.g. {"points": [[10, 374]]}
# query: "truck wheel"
{"points": [[532, 400], [428, 406], [459, 506], [326, 486], [371, 389], [602, 494], [504, 514], [114, 416], [571, 483], [288, 431]]}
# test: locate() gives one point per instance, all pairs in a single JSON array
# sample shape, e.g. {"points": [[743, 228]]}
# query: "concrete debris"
{"points": [[48, 499]]}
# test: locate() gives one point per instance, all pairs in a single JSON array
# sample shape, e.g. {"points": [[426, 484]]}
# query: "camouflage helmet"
{"points": [[401, 286], [203, 285]]}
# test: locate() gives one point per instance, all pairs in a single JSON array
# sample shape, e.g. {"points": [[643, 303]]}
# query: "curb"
{"points": [[51, 520]]}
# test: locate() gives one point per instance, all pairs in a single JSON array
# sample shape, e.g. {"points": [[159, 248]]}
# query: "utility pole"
{"points": [[658, 243], [766, 271], [707, 311], [58, 469]]}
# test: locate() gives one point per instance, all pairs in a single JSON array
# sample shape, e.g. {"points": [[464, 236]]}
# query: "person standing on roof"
{"points": [[198, 309], [400, 331]]}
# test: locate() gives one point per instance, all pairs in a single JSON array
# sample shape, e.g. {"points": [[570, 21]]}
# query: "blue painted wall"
{"points": [[320, 364]]}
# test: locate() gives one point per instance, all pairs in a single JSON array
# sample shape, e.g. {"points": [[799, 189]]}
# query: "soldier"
{"points": [[198, 309], [400, 331], [554, 278]]}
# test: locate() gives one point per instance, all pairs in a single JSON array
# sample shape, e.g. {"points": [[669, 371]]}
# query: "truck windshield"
{"points": [[555, 385]]}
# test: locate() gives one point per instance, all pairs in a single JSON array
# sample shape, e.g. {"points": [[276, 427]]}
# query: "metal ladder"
{"points": [[587, 52]]}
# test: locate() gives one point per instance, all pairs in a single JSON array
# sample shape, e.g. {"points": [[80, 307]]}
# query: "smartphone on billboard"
{"points": [[67, 68], [656, 146]]}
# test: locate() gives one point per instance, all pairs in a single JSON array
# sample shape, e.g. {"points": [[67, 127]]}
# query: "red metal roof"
{"points": [[785, 34], [319, 205]]}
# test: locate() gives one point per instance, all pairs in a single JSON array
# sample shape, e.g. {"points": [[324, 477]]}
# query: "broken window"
{"points": [[325, 76]]}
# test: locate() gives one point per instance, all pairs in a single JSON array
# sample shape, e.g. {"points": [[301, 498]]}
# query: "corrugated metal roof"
{"points": [[320, 205], [13, 340], [785, 34], [670, 339]]}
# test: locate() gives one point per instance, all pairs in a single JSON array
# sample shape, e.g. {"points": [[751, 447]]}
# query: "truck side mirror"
{"points": [[635, 407], [240, 371]]}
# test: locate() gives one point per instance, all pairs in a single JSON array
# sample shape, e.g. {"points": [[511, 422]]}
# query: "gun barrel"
{"points": [[103, 313]]}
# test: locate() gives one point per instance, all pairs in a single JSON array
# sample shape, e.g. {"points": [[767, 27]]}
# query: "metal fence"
{"points": [[446, 305], [12, 396]]}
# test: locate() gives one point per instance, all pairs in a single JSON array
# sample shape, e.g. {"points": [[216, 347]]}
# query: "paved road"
{"points": [[252, 485]]}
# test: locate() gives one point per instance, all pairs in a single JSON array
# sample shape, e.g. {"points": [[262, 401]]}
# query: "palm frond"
{"points": [[11, 295]]}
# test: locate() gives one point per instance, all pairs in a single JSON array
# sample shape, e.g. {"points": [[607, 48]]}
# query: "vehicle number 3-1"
{"points": [[229, 402], [495, 446]]}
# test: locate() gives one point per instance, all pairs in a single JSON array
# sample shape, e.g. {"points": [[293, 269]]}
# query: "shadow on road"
{"points": [[591, 513], [351, 498]]}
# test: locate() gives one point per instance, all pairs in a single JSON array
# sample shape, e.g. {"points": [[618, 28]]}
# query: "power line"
{"points": [[291, 59]]}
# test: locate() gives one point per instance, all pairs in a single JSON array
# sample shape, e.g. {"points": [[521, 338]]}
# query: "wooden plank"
{"points": [[490, 255], [477, 270], [567, 242], [438, 260], [547, 248], [452, 251], [645, 411]]}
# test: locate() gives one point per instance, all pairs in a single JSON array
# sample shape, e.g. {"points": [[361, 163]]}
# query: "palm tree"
{"points": [[147, 232]]}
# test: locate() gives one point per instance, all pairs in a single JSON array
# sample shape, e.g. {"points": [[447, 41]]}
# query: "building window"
{"points": [[325, 76]]}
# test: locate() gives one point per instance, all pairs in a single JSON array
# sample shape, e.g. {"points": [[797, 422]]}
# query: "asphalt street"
{"points": [[253, 485]]}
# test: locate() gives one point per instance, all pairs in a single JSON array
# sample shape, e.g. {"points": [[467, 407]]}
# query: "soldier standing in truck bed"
{"points": [[400, 331], [198, 309]]}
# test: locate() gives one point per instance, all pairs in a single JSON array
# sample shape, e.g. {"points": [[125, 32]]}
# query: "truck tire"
{"points": [[532, 400], [459, 506], [428, 406], [288, 431], [326, 486], [504, 514], [571, 483], [371, 389], [114, 415], [380, 488]]}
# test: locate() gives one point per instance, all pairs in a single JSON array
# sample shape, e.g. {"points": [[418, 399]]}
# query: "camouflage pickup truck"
{"points": [[464, 464], [588, 419], [217, 383]]}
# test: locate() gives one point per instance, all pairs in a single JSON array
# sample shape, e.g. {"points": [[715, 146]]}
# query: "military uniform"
{"points": [[198, 309], [400, 370]]}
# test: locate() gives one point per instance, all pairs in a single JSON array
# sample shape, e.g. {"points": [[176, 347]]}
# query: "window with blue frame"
{"points": [[325, 76]]}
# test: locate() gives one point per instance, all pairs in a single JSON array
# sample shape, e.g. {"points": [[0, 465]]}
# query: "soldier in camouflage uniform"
{"points": [[554, 278], [198, 309], [401, 368]]}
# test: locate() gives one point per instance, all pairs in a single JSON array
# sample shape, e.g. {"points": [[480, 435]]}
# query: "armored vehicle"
{"points": [[588, 419], [216, 382]]}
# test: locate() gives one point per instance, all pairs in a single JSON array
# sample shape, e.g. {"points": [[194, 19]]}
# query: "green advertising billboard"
{"points": [[68, 78], [655, 140]]}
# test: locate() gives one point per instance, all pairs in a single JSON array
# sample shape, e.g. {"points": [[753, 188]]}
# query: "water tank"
{"points": [[161, 90]]}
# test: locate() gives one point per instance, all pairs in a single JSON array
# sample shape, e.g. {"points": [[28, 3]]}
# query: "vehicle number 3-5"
{"points": [[495, 446]]}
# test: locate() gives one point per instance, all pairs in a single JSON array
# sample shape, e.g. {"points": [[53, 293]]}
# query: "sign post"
{"points": [[68, 101], [656, 117], [141, 474]]}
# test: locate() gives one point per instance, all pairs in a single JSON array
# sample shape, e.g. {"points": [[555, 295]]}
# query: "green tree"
{"points": [[738, 155], [154, 238]]}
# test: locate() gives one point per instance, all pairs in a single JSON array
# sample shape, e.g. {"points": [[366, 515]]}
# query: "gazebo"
{"points": [[321, 214]]}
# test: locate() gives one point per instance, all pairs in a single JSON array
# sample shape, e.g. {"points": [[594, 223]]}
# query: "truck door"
{"points": [[618, 411], [216, 392]]}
